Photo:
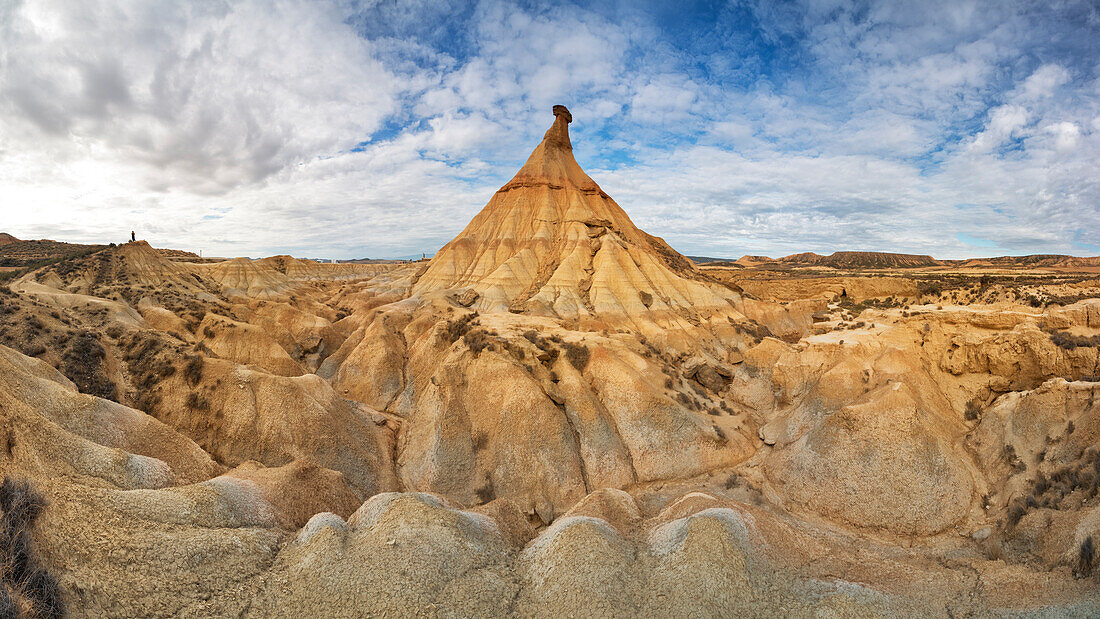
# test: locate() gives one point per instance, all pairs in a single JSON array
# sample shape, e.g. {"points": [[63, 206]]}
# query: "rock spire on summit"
{"points": [[561, 110]]}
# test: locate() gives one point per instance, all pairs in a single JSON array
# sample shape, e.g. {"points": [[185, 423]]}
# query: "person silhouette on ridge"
{"points": [[133, 237]]}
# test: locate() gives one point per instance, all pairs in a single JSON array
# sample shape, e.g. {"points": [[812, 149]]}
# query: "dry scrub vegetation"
{"points": [[26, 589]]}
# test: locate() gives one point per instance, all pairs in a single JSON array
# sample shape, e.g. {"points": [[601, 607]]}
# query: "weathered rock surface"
{"points": [[557, 415]]}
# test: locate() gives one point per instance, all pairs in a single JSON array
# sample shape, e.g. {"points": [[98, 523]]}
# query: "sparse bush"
{"points": [[481, 440], [1014, 514], [933, 288], [33, 349], [647, 299], [754, 330], [973, 410], [196, 401], [1010, 458], [26, 589], [1068, 341], [454, 329], [485, 492], [192, 369], [1048, 492], [477, 340], [83, 364], [513, 348], [577, 355], [718, 431], [1086, 559]]}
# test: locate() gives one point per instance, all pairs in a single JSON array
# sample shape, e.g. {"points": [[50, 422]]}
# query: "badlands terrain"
{"points": [[557, 415]]}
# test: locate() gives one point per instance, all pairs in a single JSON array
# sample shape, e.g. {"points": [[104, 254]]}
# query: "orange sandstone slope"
{"points": [[551, 242]]}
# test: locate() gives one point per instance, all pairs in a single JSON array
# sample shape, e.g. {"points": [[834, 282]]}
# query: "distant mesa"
{"points": [[808, 257], [176, 254], [886, 260], [15, 249], [863, 259], [1034, 260], [840, 259]]}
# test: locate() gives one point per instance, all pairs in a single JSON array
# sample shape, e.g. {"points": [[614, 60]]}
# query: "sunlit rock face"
{"points": [[557, 415], [551, 242]]}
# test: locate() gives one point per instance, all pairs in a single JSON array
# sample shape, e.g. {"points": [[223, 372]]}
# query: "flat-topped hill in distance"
{"points": [[837, 260], [15, 249], [889, 260], [15, 252]]}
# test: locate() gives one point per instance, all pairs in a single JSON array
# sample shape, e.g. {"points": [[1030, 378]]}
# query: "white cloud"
{"points": [[230, 126], [1004, 123], [1067, 136], [198, 95], [1044, 81]]}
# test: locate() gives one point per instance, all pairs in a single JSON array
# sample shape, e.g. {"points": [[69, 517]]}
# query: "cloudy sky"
{"points": [[379, 128]]}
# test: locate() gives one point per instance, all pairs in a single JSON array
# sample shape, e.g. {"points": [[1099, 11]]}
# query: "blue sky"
{"points": [[351, 129]]}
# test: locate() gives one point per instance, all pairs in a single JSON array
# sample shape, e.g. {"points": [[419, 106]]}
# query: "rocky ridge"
{"points": [[469, 437]]}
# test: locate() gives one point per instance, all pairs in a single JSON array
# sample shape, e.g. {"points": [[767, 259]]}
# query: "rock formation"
{"points": [[557, 415], [552, 243]]}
